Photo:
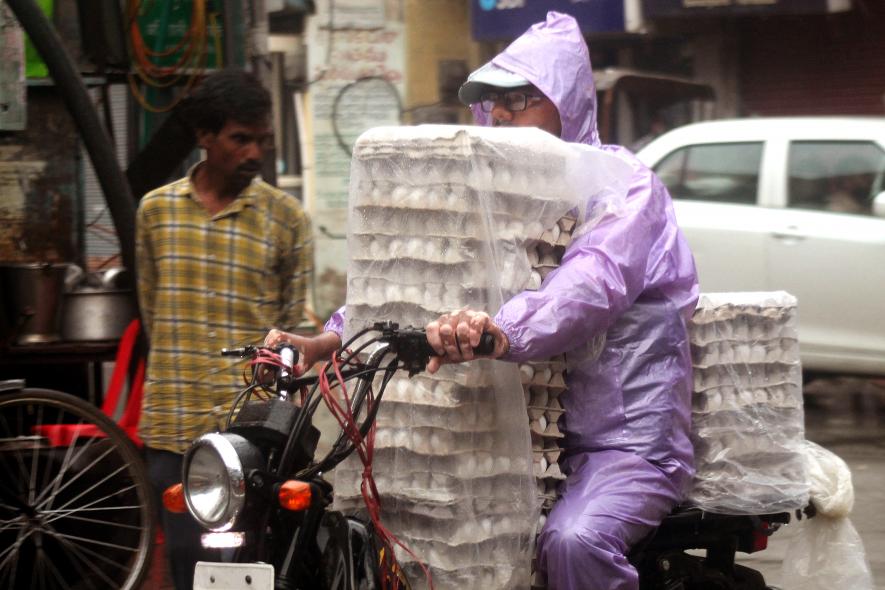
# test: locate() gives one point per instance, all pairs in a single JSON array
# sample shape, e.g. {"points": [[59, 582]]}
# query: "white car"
{"points": [[796, 204]]}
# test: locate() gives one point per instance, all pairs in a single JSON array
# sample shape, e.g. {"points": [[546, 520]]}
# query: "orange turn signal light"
{"points": [[173, 499], [295, 495]]}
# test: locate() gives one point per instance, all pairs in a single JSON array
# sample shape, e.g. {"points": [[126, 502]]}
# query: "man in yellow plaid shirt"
{"points": [[222, 258]]}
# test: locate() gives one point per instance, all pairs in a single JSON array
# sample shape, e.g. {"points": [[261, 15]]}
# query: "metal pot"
{"points": [[33, 296], [96, 314]]}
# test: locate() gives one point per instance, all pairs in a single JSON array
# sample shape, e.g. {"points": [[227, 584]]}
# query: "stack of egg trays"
{"points": [[418, 250], [544, 383], [747, 414]]}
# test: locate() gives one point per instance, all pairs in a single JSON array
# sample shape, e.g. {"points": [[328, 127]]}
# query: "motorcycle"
{"points": [[257, 487], [664, 564]]}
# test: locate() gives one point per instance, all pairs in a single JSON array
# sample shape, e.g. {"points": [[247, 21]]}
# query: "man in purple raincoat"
{"points": [[632, 279]]}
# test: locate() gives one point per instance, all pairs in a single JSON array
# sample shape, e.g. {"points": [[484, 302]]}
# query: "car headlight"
{"points": [[214, 476]]}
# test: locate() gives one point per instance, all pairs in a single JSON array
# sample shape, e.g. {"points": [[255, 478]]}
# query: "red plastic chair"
{"points": [[61, 435]]}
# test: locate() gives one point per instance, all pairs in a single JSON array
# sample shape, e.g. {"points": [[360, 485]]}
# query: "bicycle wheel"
{"points": [[73, 515]]}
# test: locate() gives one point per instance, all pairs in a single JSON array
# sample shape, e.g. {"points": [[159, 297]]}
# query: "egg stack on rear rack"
{"points": [[442, 218], [748, 425]]}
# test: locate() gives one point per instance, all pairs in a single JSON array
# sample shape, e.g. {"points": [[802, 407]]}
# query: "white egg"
{"points": [[526, 372], [399, 196], [395, 248], [417, 199], [415, 247], [714, 400], [534, 281]]}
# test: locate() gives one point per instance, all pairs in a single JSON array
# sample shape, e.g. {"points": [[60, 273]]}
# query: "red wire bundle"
{"points": [[365, 448], [266, 357]]}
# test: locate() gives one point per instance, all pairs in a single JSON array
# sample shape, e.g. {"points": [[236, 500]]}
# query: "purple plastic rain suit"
{"points": [[632, 277], [628, 455]]}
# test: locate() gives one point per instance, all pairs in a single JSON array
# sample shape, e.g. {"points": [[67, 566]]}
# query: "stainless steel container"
{"points": [[33, 301], [90, 314]]}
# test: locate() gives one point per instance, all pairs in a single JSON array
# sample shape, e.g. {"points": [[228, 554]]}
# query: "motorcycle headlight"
{"points": [[214, 476]]}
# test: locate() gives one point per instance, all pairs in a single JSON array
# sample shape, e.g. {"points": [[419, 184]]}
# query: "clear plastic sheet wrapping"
{"points": [[747, 416], [441, 218]]}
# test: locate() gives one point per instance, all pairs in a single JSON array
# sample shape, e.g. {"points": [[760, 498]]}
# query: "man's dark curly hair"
{"points": [[225, 95]]}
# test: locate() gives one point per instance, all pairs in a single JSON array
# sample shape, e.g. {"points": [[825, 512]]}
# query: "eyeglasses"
{"points": [[512, 101]]}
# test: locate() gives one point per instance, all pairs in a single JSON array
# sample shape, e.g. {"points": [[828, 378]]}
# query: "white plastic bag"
{"points": [[827, 552], [830, 478]]}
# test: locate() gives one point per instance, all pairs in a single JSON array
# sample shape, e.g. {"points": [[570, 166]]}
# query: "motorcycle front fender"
{"points": [[348, 553]]}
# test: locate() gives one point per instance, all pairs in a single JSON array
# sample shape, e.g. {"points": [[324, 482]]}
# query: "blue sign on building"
{"points": [[507, 19], [679, 8]]}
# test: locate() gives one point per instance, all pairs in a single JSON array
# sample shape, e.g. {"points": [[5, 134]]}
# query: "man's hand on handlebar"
{"points": [[454, 335], [310, 349]]}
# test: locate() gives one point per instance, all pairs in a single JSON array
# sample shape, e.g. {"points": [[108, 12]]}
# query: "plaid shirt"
{"points": [[208, 283]]}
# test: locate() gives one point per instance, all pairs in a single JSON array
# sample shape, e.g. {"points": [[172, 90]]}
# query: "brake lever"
{"points": [[243, 352]]}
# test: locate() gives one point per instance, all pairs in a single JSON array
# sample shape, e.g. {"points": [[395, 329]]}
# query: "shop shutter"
{"points": [[815, 65]]}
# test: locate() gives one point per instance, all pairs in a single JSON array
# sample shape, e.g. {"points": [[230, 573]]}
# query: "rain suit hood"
{"points": [[553, 56]]}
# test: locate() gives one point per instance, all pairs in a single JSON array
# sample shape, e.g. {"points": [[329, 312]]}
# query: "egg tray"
{"points": [[446, 557], [730, 352], [448, 508], [747, 375], [466, 466], [374, 196], [408, 488], [502, 576], [459, 418], [728, 398], [440, 392], [741, 310], [429, 299]]}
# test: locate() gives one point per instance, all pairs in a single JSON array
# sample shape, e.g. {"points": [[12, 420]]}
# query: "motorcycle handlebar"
{"points": [[412, 348], [486, 346], [410, 344]]}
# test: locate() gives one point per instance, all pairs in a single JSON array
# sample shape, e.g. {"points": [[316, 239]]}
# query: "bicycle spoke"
{"points": [[118, 525], [68, 460], [63, 511], [45, 503], [57, 535], [123, 467], [52, 569], [12, 551], [10, 507], [17, 460], [12, 523], [32, 482], [122, 567], [77, 551], [67, 539], [48, 480]]}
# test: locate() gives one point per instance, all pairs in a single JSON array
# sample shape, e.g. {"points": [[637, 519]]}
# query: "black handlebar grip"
{"points": [[485, 348], [486, 345]]}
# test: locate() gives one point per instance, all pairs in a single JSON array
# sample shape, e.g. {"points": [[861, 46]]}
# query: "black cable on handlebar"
{"points": [[309, 406], [411, 349], [343, 446], [237, 400]]}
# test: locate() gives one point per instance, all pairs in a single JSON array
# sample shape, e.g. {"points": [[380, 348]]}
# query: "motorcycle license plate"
{"points": [[233, 576]]}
